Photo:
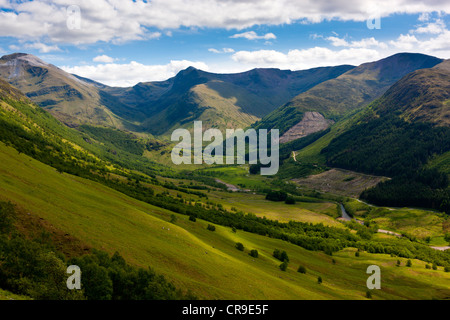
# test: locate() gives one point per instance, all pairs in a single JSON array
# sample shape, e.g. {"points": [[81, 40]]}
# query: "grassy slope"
{"points": [[191, 256]]}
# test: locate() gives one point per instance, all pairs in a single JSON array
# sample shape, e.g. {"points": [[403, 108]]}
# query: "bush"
{"points": [[409, 263], [289, 200], [447, 269], [427, 266], [368, 294], [301, 269], [254, 253], [284, 266], [357, 254], [192, 218], [210, 227], [319, 280], [434, 266], [239, 246], [276, 196]]}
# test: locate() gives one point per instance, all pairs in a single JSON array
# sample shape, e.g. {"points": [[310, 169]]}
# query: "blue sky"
{"points": [[124, 42]]}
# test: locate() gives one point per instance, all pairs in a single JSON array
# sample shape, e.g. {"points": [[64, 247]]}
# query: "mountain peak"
{"points": [[25, 57]]}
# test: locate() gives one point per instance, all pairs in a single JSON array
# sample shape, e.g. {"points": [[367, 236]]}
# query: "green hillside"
{"points": [[192, 256]]}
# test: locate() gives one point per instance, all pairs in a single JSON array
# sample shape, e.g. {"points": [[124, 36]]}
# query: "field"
{"points": [[193, 257]]}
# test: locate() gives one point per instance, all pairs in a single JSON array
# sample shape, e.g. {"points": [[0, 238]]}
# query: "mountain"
{"points": [[220, 100], [421, 96], [334, 98], [405, 134], [69, 98]]}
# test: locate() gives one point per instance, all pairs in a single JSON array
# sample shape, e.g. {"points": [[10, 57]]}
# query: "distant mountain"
{"points": [[421, 96], [401, 131], [220, 100], [336, 97], [69, 98]]}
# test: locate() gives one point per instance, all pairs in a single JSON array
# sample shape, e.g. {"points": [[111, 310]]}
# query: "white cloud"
{"points": [[223, 50], [129, 74], [124, 20], [252, 35], [363, 43], [104, 59], [42, 47], [431, 28], [13, 47], [425, 16], [306, 58]]}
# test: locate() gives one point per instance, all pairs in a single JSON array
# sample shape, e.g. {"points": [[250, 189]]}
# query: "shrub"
{"points": [[254, 253], [434, 266], [239, 246], [192, 218], [289, 200], [276, 196], [319, 280], [368, 294], [210, 227], [301, 269], [357, 254], [283, 266], [409, 263]]}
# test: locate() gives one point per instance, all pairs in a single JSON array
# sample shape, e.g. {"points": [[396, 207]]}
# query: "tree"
{"points": [[368, 294], [210, 227], [319, 280], [409, 263], [357, 254], [254, 253], [434, 266], [398, 263], [239, 246], [173, 218], [301, 269], [280, 255], [192, 218]]}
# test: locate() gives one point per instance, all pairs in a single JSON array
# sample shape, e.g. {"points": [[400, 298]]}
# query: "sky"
{"points": [[123, 42]]}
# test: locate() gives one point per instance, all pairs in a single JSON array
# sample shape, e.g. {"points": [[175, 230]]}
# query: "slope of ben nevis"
{"points": [[63, 202]]}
